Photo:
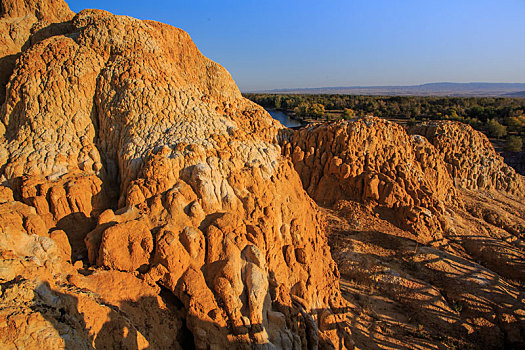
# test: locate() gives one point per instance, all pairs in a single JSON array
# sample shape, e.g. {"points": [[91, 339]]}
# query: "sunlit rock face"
{"points": [[144, 168], [426, 223], [144, 203], [22, 23], [470, 158], [374, 161]]}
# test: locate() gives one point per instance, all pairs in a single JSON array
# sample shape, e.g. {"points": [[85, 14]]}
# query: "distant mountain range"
{"points": [[432, 89]]}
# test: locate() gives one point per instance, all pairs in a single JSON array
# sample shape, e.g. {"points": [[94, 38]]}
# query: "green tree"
{"points": [[309, 110], [301, 110], [277, 102], [348, 114], [316, 110], [513, 143], [495, 129], [453, 114], [516, 123]]}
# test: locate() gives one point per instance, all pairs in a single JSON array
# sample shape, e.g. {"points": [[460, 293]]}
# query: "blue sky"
{"points": [[269, 44]]}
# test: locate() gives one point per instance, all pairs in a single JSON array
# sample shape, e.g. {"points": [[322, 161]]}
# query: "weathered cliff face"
{"points": [[145, 203], [470, 158], [23, 22], [452, 274], [376, 162], [144, 165]]}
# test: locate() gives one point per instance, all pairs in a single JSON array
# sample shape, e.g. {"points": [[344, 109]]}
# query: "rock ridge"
{"points": [[144, 163], [146, 204]]}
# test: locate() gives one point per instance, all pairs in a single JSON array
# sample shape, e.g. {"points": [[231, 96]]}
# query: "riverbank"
{"points": [[285, 118]]}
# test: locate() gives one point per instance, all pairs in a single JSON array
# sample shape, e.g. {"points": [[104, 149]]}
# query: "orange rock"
{"points": [[180, 206], [126, 246], [30, 17], [471, 159], [399, 173], [62, 242], [6, 194]]}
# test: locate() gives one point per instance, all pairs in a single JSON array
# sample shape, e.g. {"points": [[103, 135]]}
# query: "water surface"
{"points": [[284, 118]]}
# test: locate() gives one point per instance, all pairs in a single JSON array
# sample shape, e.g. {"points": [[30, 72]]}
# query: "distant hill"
{"points": [[431, 89], [515, 94]]}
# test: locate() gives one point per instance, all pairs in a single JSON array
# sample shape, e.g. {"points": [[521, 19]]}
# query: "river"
{"points": [[283, 118]]}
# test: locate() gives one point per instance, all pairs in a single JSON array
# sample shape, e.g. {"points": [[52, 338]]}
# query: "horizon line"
{"points": [[380, 86]]}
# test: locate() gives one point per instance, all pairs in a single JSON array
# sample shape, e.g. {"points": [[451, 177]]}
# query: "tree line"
{"points": [[497, 117]]}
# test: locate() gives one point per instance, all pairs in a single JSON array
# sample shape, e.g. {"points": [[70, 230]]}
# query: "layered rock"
{"points": [[412, 296]]}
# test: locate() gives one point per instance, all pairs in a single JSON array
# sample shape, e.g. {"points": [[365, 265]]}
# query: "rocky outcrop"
{"points": [[236, 262], [413, 296], [23, 22], [104, 310], [375, 161], [470, 157], [145, 204], [120, 134], [449, 275]]}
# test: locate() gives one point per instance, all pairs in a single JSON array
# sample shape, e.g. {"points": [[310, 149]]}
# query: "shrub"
{"points": [[513, 143], [495, 129], [516, 123], [309, 110], [348, 114]]}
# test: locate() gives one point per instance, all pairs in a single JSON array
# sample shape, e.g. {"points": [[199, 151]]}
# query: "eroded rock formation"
{"points": [[426, 230], [23, 22], [375, 161], [121, 136], [146, 204], [470, 158]]}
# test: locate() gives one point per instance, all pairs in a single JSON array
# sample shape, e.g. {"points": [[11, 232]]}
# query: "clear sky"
{"points": [[268, 44]]}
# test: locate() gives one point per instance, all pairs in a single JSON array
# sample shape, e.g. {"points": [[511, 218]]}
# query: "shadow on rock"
{"points": [[84, 321]]}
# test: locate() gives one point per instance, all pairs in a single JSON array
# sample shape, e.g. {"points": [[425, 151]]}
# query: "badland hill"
{"points": [[146, 204]]}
